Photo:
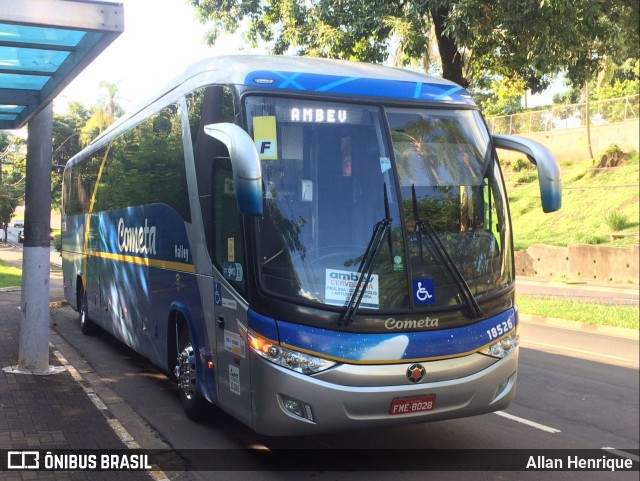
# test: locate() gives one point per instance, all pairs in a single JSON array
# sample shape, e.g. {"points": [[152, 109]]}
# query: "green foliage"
{"points": [[588, 238], [587, 312], [583, 216], [613, 149], [526, 178], [616, 221], [526, 41], [12, 171], [66, 143], [9, 276], [503, 97], [105, 112], [568, 97], [57, 242], [522, 164]]}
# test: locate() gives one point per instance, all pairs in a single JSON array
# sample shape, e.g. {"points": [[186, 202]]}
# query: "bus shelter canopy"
{"points": [[44, 45]]}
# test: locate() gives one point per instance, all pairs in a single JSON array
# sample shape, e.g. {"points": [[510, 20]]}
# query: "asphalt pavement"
{"points": [[61, 410]]}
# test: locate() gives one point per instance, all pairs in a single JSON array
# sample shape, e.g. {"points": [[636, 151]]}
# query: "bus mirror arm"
{"points": [[245, 162], [543, 159]]}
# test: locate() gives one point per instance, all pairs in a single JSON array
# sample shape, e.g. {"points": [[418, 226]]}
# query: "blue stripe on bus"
{"points": [[357, 86], [388, 347], [263, 325]]}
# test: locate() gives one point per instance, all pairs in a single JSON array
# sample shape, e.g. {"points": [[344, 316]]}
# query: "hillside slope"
{"points": [[599, 205]]}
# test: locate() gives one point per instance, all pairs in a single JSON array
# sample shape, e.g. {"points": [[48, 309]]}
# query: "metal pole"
{"points": [[33, 354]]}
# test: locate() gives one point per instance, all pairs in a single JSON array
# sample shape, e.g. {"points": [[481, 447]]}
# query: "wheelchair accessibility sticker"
{"points": [[217, 293], [424, 291]]}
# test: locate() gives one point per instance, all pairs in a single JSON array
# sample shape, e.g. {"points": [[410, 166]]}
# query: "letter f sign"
{"points": [[265, 146]]}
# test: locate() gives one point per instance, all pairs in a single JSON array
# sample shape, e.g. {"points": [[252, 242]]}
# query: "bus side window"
{"points": [[208, 105], [228, 242]]}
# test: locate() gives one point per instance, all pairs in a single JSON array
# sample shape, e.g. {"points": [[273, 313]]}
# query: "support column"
{"points": [[34, 328]]}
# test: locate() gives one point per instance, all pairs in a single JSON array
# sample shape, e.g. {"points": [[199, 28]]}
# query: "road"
{"points": [[624, 296], [12, 234], [576, 390]]}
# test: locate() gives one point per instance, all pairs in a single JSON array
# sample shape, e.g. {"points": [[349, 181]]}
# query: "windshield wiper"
{"points": [[380, 230], [424, 227]]}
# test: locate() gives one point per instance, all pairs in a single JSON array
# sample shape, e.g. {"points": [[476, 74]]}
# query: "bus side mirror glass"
{"points": [[245, 163], [547, 165]]}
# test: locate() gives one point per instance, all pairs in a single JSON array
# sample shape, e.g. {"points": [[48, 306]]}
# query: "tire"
{"points": [[87, 326], [193, 402]]}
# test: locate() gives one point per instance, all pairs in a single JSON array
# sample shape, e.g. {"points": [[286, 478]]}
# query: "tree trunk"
{"points": [[587, 114], [449, 54]]}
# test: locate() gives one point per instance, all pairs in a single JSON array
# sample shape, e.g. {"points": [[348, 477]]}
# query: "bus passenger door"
{"points": [[233, 374]]}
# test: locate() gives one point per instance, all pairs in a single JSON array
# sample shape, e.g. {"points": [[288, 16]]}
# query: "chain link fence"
{"points": [[567, 116]]}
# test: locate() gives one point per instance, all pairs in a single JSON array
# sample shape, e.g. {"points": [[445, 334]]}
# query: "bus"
{"points": [[309, 245]]}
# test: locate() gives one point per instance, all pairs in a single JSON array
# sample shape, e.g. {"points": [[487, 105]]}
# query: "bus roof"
{"points": [[304, 74]]}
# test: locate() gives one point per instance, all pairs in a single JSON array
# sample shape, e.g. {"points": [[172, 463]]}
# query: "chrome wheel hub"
{"points": [[186, 371]]}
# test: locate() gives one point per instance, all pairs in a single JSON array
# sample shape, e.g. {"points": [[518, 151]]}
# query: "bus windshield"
{"points": [[333, 174]]}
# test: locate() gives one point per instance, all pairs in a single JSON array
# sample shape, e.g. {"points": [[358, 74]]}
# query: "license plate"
{"points": [[413, 404]]}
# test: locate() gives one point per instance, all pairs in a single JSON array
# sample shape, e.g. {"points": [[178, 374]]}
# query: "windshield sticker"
{"points": [[424, 291], [398, 264], [339, 286], [231, 249], [385, 164], [345, 147], [232, 271], [265, 137], [306, 190]]}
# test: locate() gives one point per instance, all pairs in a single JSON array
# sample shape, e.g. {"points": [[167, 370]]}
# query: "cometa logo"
{"points": [[136, 239], [392, 323]]}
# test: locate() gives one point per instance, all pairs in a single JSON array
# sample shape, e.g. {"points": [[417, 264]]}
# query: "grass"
{"points": [[595, 204], [9, 276], [586, 312]]}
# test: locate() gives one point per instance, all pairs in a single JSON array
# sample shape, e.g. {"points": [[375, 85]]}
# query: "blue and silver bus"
{"points": [[310, 245]]}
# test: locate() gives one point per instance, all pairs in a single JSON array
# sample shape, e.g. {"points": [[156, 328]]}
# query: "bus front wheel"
{"points": [[193, 402]]}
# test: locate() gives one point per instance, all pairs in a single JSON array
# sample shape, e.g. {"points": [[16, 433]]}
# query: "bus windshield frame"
{"points": [[334, 170]]}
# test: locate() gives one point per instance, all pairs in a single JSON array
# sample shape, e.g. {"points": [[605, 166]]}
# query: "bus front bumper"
{"points": [[286, 403]]}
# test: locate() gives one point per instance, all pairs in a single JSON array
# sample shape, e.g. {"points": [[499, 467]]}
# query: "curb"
{"points": [[581, 326], [105, 400]]}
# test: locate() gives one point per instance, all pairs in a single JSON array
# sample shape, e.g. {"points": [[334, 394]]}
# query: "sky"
{"points": [[160, 38]]}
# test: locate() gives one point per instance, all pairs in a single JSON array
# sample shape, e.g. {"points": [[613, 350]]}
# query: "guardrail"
{"points": [[567, 116]]}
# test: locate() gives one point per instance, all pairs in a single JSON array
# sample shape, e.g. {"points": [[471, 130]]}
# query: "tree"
{"points": [[527, 40], [12, 168], [66, 143], [107, 110], [500, 97]]}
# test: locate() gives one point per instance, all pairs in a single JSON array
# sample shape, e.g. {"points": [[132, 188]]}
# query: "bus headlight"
{"points": [[282, 356], [504, 346]]}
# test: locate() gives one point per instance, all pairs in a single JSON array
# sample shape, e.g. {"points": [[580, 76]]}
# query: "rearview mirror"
{"points": [[245, 163], [547, 165]]}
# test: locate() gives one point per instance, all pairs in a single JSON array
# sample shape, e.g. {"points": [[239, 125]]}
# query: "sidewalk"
{"points": [[46, 411]]}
